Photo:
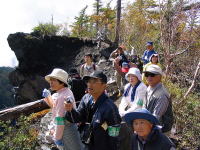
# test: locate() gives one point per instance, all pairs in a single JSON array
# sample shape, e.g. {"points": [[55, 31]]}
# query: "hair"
{"points": [[89, 54], [65, 85], [119, 48]]}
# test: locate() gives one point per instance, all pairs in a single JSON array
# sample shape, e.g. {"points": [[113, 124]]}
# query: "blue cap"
{"points": [[141, 113], [149, 43]]}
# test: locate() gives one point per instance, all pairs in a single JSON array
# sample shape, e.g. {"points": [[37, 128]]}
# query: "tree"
{"points": [[82, 27], [140, 23], [118, 16], [46, 29]]}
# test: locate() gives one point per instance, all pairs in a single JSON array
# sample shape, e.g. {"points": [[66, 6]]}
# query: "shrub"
{"points": [[186, 113], [21, 134]]}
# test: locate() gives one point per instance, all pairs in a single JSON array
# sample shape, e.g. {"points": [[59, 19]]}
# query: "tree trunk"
{"points": [[117, 29], [97, 13], [193, 81]]}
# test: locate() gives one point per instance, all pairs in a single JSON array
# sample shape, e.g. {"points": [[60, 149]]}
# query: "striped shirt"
{"points": [[162, 101]]}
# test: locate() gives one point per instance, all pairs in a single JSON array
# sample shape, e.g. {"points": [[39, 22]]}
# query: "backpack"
{"points": [[167, 119]]}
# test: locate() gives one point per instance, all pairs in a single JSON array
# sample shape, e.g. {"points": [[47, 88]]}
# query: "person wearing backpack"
{"points": [[77, 85], [157, 99], [88, 67]]}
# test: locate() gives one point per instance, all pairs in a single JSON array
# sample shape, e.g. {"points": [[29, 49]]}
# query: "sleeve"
{"points": [[122, 106], [80, 114], [114, 124], [59, 119], [143, 56], [161, 106]]}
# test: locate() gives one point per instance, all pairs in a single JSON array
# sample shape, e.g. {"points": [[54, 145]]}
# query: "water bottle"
{"points": [[140, 103]]}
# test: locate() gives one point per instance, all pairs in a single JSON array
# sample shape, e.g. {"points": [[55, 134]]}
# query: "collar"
{"points": [[102, 98], [155, 87]]}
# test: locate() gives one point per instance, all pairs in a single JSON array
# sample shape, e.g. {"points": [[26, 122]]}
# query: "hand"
{"points": [[46, 93], [58, 142], [68, 106]]}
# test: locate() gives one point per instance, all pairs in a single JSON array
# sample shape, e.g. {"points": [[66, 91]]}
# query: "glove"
{"points": [[58, 143], [46, 93]]}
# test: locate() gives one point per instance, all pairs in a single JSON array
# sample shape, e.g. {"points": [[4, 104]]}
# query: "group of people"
{"points": [[85, 118]]}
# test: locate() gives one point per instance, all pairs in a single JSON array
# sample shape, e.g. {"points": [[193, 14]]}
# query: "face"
{"points": [[95, 86], [88, 59], [55, 85], [150, 47], [154, 59], [132, 79], [142, 127], [152, 79]]}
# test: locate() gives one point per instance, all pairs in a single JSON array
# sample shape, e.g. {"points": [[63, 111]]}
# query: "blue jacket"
{"points": [[147, 54], [103, 111]]}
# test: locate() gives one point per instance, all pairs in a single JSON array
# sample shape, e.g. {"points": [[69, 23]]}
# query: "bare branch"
{"points": [[193, 81]]}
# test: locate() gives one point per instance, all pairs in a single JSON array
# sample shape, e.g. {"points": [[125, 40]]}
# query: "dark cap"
{"points": [[73, 71], [149, 43], [97, 75]]}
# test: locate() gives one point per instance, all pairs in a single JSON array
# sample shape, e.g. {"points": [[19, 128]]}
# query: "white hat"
{"points": [[134, 71], [58, 74], [154, 69], [156, 55]]}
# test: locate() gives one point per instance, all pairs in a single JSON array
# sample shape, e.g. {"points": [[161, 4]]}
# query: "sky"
{"points": [[23, 15]]}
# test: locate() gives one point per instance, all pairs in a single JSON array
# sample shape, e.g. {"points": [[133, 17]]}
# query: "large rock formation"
{"points": [[38, 55]]}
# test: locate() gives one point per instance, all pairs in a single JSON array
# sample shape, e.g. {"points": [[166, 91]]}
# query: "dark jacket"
{"points": [[103, 111], [155, 141]]}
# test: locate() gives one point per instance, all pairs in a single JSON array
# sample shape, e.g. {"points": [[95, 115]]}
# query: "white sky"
{"points": [[23, 15]]}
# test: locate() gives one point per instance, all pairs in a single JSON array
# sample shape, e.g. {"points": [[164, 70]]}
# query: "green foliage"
{"points": [[6, 97], [21, 136], [186, 112], [46, 29], [82, 27]]}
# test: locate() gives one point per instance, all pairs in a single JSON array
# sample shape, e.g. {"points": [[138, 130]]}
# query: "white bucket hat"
{"points": [[154, 69], [134, 71], [58, 74]]}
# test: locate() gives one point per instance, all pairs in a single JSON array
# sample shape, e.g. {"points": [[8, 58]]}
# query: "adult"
{"points": [[118, 57], [97, 109], [147, 136], [89, 66], [148, 52], [77, 85], [64, 133], [157, 99], [134, 93], [154, 59]]}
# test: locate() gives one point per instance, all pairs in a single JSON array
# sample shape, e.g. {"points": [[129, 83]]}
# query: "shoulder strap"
{"points": [[94, 66]]}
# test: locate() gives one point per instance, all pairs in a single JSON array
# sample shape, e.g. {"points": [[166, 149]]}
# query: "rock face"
{"points": [[38, 56]]}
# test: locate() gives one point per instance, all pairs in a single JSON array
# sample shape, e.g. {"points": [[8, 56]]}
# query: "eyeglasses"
{"points": [[150, 74], [93, 81]]}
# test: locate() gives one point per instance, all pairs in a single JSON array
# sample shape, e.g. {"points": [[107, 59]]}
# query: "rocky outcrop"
{"points": [[38, 55]]}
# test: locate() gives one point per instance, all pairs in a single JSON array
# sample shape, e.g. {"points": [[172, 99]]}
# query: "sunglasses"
{"points": [[150, 74]]}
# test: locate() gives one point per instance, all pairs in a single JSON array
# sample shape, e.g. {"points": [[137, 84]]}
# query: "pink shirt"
{"points": [[58, 109]]}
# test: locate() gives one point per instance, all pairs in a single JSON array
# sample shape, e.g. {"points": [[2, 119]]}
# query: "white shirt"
{"points": [[126, 101]]}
